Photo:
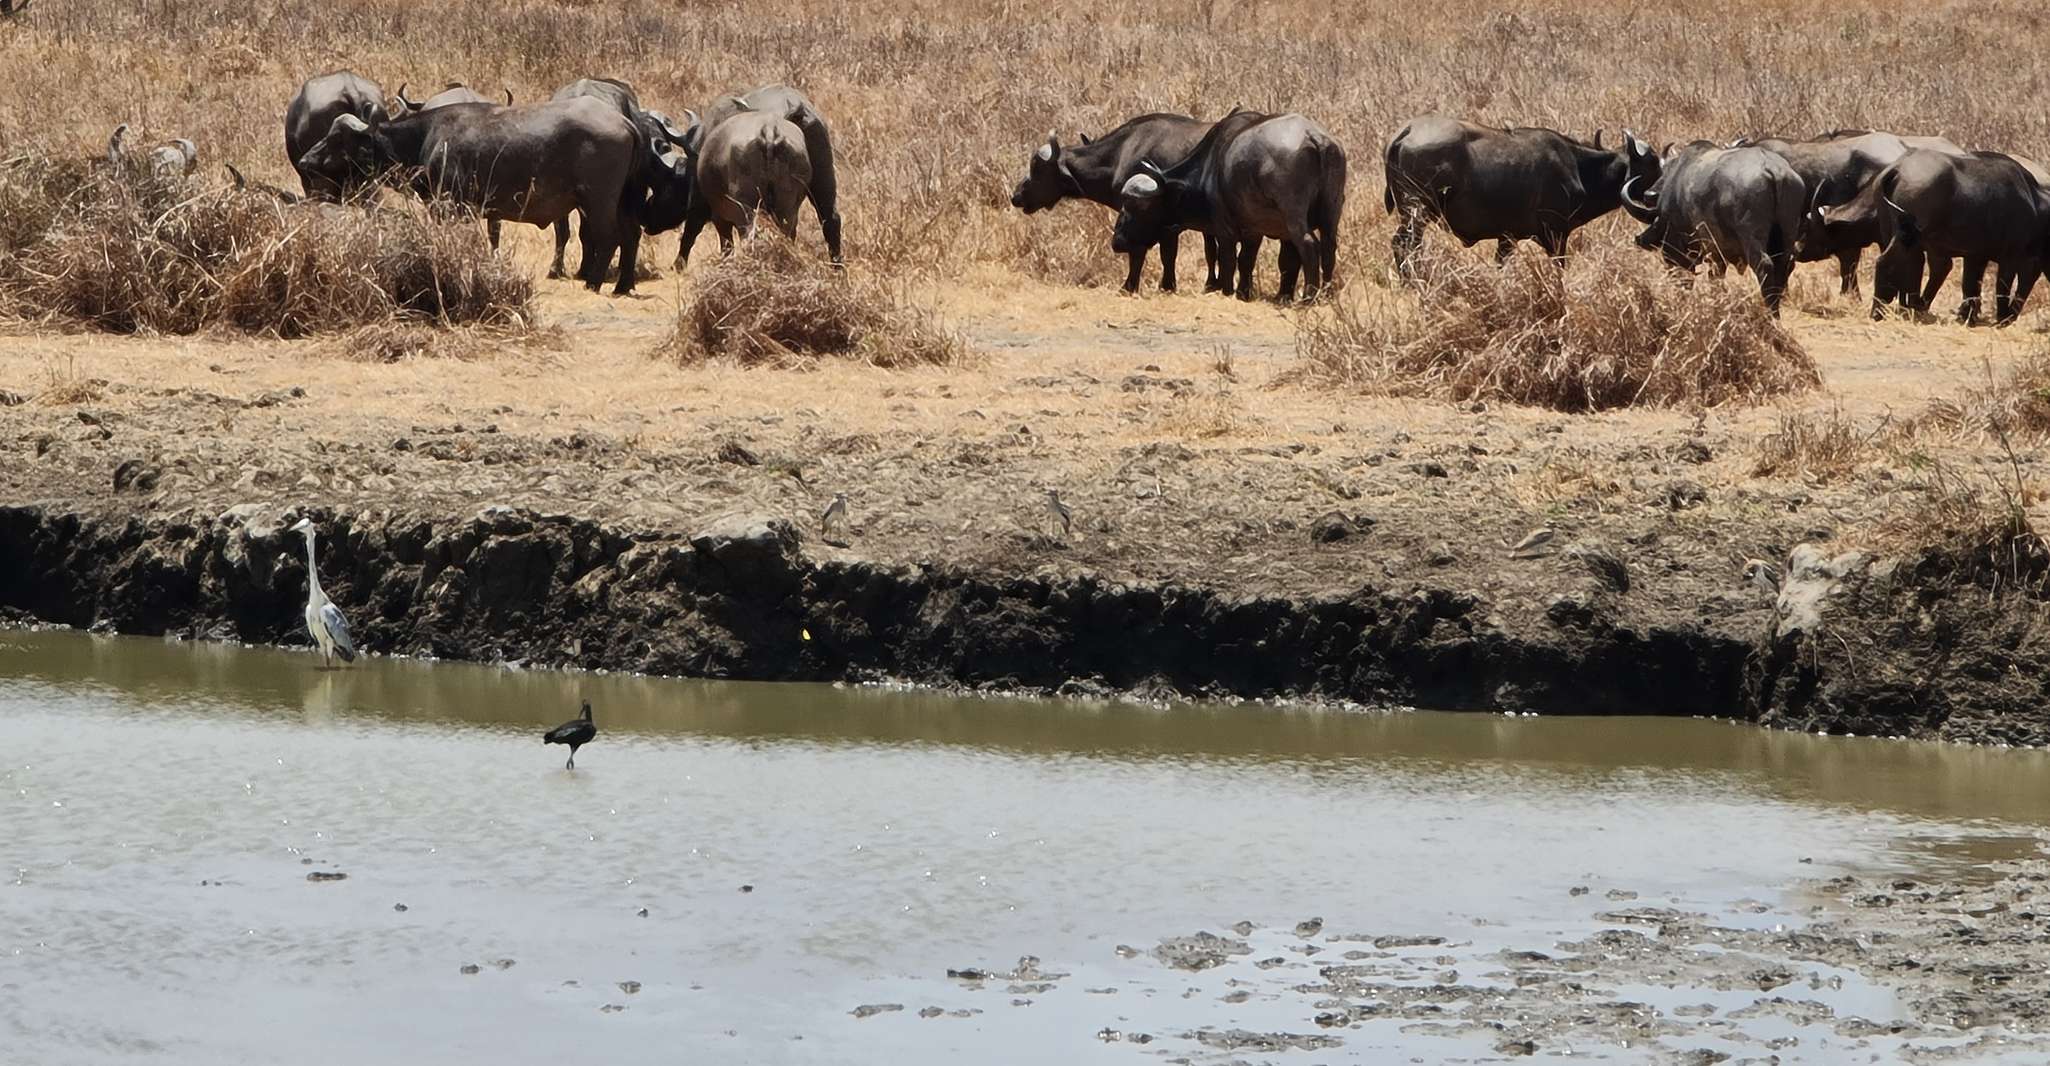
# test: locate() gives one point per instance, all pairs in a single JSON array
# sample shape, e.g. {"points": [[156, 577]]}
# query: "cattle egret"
{"points": [[324, 621], [576, 733]]}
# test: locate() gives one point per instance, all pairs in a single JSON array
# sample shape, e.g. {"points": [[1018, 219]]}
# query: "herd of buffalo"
{"points": [[1759, 204]]}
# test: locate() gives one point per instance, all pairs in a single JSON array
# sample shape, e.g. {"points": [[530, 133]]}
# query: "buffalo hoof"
{"points": [[556, 274]]}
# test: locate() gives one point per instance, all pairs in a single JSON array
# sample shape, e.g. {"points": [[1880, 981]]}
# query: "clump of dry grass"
{"points": [[2017, 403], [124, 250], [1816, 447], [1610, 331], [1971, 528], [775, 303]]}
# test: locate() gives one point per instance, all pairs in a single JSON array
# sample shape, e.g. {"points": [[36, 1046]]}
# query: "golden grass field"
{"points": [[934, 109]]}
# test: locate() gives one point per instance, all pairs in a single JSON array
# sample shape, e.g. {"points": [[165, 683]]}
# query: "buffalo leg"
{"points": [[2005, 307], [693, 224], [491, 228], [599, 242], [1249, 253], [561, 242], [1327, 246], [1291, 266], [1136, 263], [1973, 277], [629, 257], [1170, 250], [1922, 294], [1504, 248], [1214, 266], [1895, 266], [725, 229], [2025, 280], [1847, 270]]}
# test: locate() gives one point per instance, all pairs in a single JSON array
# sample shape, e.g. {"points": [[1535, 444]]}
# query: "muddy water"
{"points": [[732, 870]]}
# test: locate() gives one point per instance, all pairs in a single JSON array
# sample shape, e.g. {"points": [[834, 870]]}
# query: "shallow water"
{"points": [[164, 803]]}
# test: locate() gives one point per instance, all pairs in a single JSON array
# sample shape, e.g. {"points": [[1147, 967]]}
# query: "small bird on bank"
{"points": [[324, 621], [1059, 512], [1766, 576], [1529, 545], [576, 733], [835, 512]]}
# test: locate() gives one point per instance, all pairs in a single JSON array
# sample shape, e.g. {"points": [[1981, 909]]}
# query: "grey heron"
{"points": [[576, 733], [1059, 511], [324, 621]]}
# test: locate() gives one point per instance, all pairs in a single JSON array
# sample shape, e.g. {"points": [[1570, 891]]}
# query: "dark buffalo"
{"points": [[1096, 170], [1834, 167], [1933, 207], [751, 162], [519, 164], [1504, 184], [312, 113], [1737, 206], [1251, 176], [667, 166], [786, 103]]}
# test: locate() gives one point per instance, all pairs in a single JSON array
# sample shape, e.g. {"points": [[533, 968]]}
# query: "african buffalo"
{"points": [[1513, 184], [521, 164], [312, 113], [754, 161], [1834, 167], [1737, 206], [666, 173], [786, 103], [1983, 207], [1096, 170], [1251, 176]]}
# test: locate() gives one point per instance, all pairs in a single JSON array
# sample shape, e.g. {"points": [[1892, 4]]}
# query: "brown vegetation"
{"points": [[120, 249], [772, 303], [1596, 336]]}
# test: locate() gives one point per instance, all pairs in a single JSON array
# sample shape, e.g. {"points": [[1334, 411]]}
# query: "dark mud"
{"points": [[1855, 647]]}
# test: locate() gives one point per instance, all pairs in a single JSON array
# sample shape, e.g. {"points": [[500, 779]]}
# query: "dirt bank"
{"points": [[1236, 532]]}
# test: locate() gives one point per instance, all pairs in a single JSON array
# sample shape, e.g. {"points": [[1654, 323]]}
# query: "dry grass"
{"points": [[773, 303], [1608, 332], [1817, 447], [1971, 526], [123, 250], [2016, 402]]}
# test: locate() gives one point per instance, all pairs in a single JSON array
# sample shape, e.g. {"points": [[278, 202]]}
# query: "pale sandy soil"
{"points": [[1170, 424]]}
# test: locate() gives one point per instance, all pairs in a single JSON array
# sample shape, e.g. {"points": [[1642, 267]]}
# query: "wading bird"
{"points": [[324, 621], [576, 733]]}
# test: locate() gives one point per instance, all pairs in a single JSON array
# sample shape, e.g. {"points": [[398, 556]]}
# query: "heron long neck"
{"points": [[312, 573]]}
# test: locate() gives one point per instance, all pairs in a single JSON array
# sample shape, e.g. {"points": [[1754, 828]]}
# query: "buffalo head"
{"points": [[1046, 179], [1146, 209], [346, 157]]}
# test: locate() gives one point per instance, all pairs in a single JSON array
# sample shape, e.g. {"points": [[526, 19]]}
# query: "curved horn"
{"points": [[1642, 211], [352, 123], [114, 144], [400, 96], [1147, 166], [1889, 202], [1597, 138], [240, 181], [508, 98]]}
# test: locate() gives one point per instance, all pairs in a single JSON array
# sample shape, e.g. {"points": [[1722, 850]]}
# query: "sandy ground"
{"points": [[1171, 425]]}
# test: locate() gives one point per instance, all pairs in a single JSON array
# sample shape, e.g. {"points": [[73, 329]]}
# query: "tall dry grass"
{"points": [[1603, 333], [935, 106], [126, 250]]}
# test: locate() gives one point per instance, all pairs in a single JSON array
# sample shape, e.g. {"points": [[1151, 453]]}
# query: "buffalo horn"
{"points": [[114, 144], [1640, 210]]}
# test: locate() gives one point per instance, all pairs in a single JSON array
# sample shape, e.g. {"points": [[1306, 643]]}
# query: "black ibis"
{"points": [[576, 733]]}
